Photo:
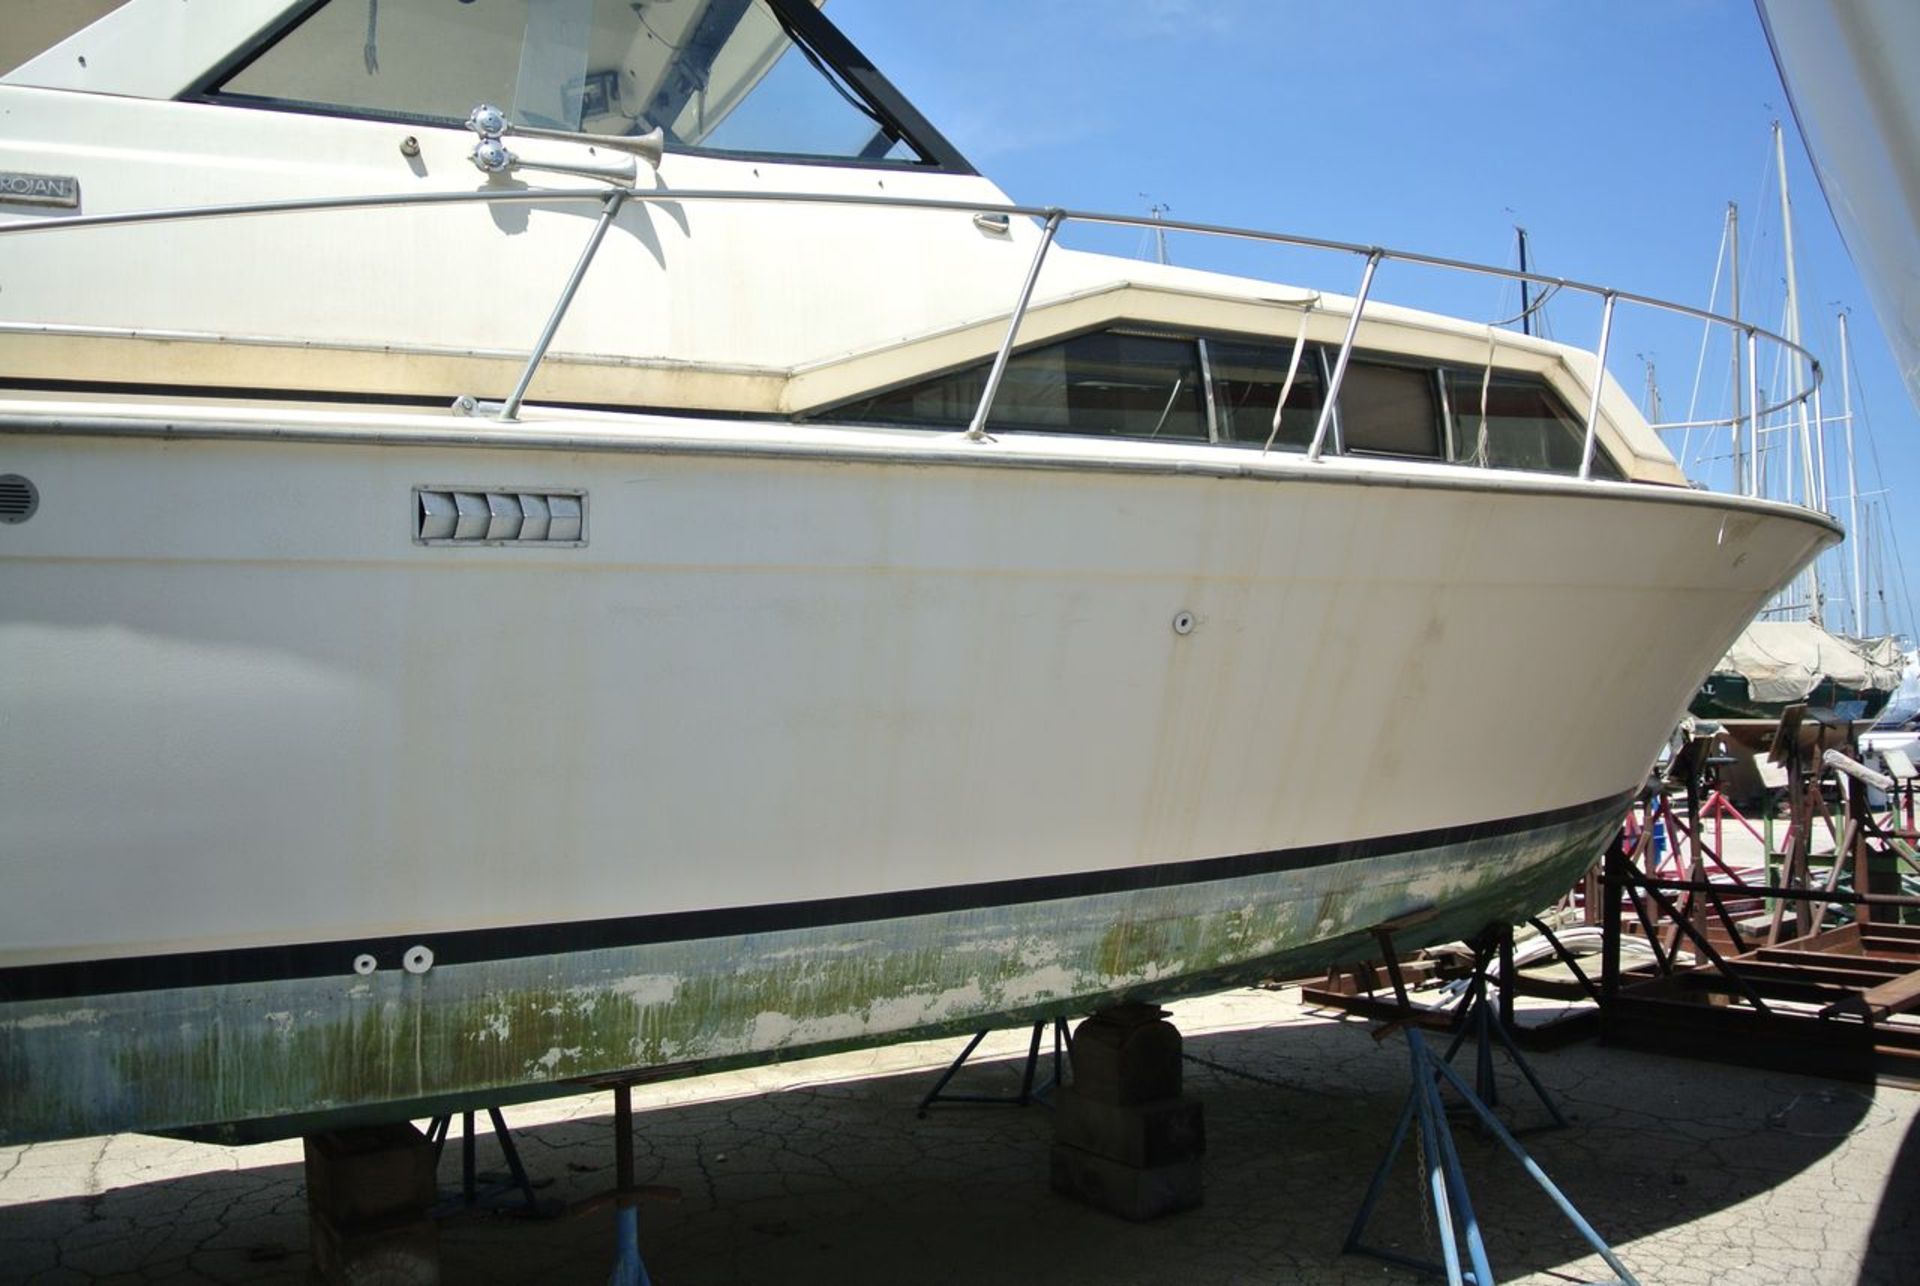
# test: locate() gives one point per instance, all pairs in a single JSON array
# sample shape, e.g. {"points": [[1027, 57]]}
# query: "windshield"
{"points": [[720, 75]]}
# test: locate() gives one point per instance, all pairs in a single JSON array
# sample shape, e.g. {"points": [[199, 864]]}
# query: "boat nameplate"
{"points": [[494, 515], [59, 190]]}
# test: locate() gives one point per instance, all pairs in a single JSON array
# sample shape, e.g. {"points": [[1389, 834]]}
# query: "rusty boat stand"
{"points": [[1809, 963], [1774, 978]]}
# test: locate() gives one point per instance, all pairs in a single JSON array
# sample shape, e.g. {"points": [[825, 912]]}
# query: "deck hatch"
{"points": [[497, 516]]}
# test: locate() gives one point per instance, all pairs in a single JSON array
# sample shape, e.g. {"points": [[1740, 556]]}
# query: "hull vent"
{"points": [[499, 516], [18, 498]]}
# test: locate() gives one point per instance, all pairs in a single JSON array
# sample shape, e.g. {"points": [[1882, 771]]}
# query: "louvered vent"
{"points": [[498, 516], [18, 498]]}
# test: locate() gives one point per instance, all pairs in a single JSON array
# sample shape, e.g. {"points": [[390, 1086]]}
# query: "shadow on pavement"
{"points": [[1893, 1255], [1675, 1163]]}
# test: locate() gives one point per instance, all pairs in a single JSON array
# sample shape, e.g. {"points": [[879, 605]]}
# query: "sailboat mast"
{"points": [[1872, 517], [1853, 479], [1526, 298], [1814, 491], [1157, 211], [1742, 478]]}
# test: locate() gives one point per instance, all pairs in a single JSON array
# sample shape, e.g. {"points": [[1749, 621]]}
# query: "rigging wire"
{"points": [[1756, 302], [1533, 310], [1547, 292], [1544, 328], [1876, 565], [1706, 334]]}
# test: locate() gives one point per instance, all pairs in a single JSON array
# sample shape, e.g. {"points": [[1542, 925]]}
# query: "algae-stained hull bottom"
{"points": [[284, 1041]]}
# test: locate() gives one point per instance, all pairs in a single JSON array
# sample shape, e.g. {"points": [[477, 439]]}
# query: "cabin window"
{"points": [[1128, 383], [726, 76], [1247, 379], [1389, 410], [1521, 425], [1109, 383]]}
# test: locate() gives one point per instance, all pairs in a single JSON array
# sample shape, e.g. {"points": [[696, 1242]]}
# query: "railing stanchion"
{"points": [[1749, 418], [1599, 385], [1752, 480], [1346, 351], [978, 429], [510, 409]]}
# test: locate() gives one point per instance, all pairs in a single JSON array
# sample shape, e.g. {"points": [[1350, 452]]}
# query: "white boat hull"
{"points": [[821, 738]]}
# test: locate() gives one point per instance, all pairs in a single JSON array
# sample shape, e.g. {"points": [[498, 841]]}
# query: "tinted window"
{"points": [[718, 74], [1389, 410], [1520, 425], [1247, 379], [1113, 384], [1121, 384]]}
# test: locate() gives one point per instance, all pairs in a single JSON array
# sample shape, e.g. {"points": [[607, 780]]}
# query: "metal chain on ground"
{"points": [[1258, 1079]]}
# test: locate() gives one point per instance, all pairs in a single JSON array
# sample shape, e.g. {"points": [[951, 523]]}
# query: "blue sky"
{"points": [[1615, 132]]}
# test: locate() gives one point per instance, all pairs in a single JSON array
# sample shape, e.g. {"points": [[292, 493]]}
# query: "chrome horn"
{"points": [[491, 155]]}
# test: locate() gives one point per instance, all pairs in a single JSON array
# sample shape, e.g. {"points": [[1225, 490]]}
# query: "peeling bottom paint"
{"points": [[265, 1060]]}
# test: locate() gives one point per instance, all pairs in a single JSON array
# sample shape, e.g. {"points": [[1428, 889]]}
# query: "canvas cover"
{"points": [[1782, 661]]}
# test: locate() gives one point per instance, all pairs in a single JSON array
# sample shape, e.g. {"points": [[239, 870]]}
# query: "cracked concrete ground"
{"points": [[820, 1171]]}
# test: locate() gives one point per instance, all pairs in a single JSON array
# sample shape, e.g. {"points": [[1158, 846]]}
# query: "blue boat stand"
{"points": [[1444, 1186], [628, 1268], [1482, 1018]]}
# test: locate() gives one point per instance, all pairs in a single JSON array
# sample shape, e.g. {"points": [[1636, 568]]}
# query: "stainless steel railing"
{"points": [[612, 200]]}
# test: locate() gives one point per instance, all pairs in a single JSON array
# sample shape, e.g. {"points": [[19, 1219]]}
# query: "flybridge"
{"points": [[767, 78]]}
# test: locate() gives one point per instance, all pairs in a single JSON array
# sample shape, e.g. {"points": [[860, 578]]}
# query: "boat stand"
{"points": [[1029, 1092], [1352, 989], [1480, 1012], [1445, 1180], [628, 1268], [471, 1193], [1487, 1022]]}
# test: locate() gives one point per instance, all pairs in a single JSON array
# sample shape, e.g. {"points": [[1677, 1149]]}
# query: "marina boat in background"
{"points": [[1898, 727], [1776, 664], [1787, 656], [675, 570]]}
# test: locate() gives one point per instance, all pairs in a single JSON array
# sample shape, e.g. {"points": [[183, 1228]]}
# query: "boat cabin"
{"points": [[791, 307]]}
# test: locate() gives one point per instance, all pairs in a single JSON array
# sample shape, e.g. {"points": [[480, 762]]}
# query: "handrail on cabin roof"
{"points": [[1053, 215]]}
